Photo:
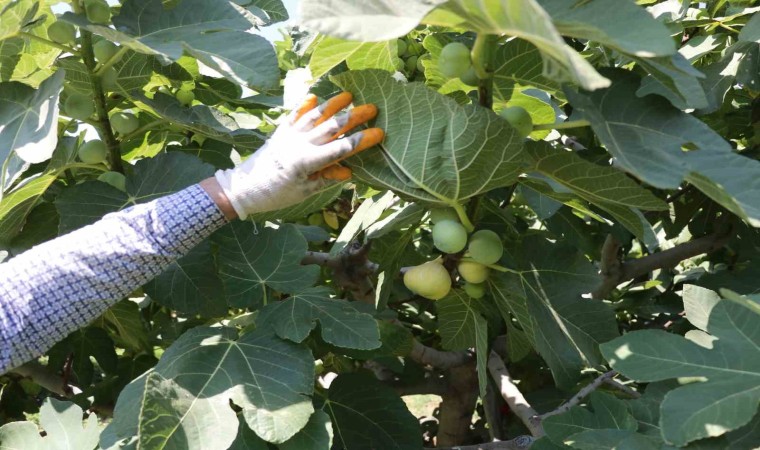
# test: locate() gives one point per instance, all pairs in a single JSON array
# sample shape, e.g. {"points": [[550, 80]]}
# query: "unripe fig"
{"points": [[108, 79], [62, 32], [115, 179], [430, 280], [470, 77], [185, 97], [519, 119], [124, 123], [485, 247], [449, 236], [473, 272], [93, 152], [440, 214], [104, 50], [475, 290], [79, 106], [97, 11], [454, 60], [402, 47], [411, 64]]}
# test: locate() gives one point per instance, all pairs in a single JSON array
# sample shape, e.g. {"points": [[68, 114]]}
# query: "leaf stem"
{"points": [[103, 124], [562, 125], [143, 129], [34, 37], [463, 217], [482, 61], [111, 61]]}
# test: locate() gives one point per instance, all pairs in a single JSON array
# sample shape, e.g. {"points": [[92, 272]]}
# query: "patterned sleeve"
{"points": [[61, 285]]}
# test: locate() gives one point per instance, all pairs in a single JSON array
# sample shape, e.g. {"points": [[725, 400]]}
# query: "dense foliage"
{"points": [[557, 236]]}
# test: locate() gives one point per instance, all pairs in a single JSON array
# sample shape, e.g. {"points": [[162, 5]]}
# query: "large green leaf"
{"points": [[608, 414], [205, 120], [592, 182], [673, 78], [28, 121], [252, 260], [527, 20], [133, 71], [543, 291], [81, 348], [730, 366], [331, 51], [203, 29], [64, 430], [125, 327], [15, 15], [367, 414], [185, 401], [663, 146], [269, 11], [340, 323], [151, 178], [364, 20], [316, 435], [15, 207], [463, 327], [190, 285], [518, 64], [435, 150], [618, 24]]}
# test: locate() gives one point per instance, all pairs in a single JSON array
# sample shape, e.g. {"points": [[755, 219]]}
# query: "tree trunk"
{"points": [[457, 406]]}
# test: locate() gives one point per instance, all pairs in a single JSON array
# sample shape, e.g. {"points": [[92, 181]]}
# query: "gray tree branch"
{"points": [[614, 272], [519, 443], [514, 398], [47, 379], [576, 399]]}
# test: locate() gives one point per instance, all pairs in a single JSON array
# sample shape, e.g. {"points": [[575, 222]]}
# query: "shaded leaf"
{"points": [[331, 51], [316, 435], [341, 324], [62, 422]]}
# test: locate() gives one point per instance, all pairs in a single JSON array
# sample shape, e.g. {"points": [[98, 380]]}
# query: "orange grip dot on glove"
{"points": [[308, 104], [335, 172], [334, 105]]}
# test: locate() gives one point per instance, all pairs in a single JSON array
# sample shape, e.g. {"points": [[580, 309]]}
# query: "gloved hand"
{"points": [[300, 158]]}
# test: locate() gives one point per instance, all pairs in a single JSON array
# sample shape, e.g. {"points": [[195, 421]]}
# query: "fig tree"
{"points": [[430, 280], [449, 236], [475, 290], [97, 11], [62, 32], [519, 119], [93, 152], [104, 50], [485, 247], [473, 272], [454, 59], [115, 179], [124, 122], [79, 106]]}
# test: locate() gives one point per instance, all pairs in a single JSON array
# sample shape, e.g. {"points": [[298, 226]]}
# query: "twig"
{"points": [[519, 443], [561, 125], [101, 109], [514, 398], [47, 379], [615, 272], [440, 359], [622, 387], [576, 399]]}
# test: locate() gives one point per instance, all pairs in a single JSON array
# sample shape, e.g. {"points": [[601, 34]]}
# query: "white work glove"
{"points": [[300, 157]]}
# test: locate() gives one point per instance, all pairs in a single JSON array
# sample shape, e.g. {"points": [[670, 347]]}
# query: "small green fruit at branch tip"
{"points": [[411, 64], [108, 79], [79, 106], [449, 236], [430, 280], [470, 78], [97, 11], [93, 152], [473, 272], [441, 214], [62, 32], [454, 60], [124, 123], [420, 66], [402, 47], [485, 247], [316, 220], [115, 179], [185, 97], [519, 119], [104, 50], [475, 290]]}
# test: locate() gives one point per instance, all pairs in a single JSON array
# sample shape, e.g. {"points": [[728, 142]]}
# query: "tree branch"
{"points": [[622, 387], [614, 272], [442, 360], [47, 379], [576, 399], [514, 398], [519, 443]]}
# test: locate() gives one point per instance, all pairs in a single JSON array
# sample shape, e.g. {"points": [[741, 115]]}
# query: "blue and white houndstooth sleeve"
{"points": [[61, 285]]}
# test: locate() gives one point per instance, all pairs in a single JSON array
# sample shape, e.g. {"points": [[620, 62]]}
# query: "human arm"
{"points": [[61, 285]]}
